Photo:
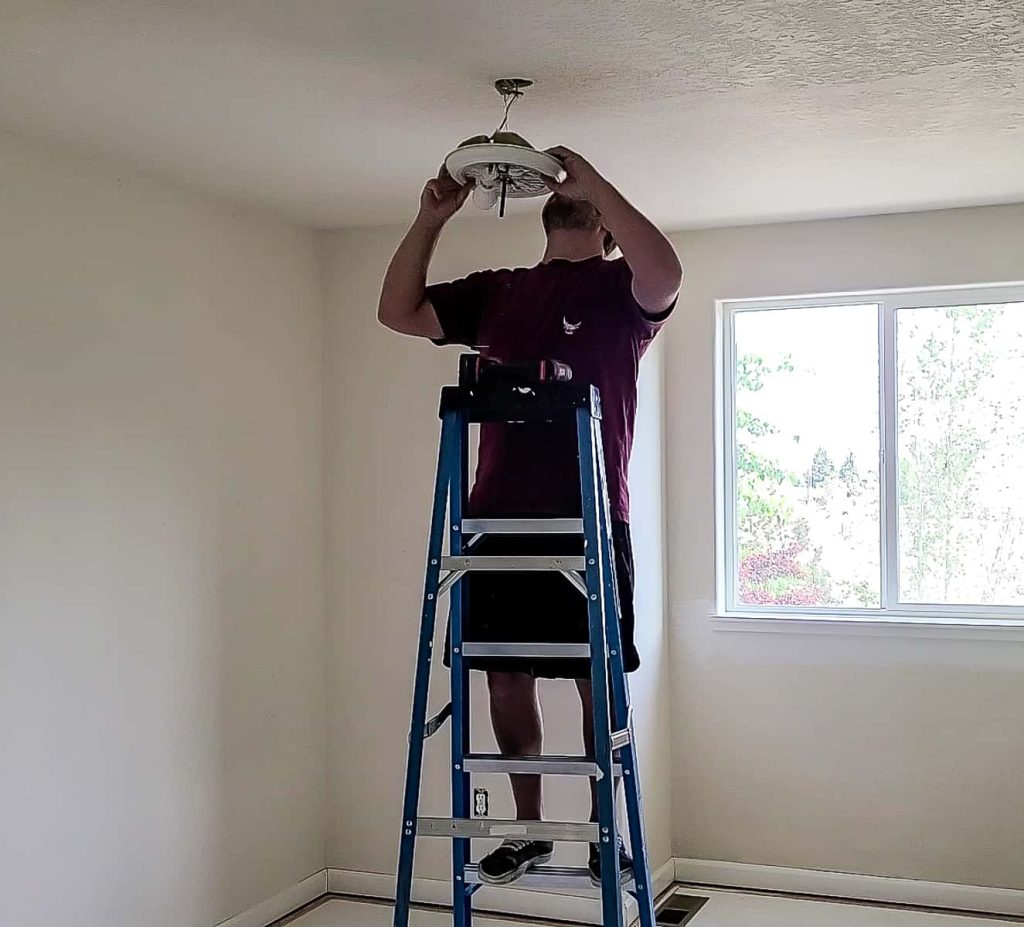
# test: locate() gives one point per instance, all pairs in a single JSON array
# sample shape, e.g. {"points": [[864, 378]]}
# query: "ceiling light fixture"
{"points": [[503, 164]]}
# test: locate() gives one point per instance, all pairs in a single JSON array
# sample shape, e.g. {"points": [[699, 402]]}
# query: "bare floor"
{"points": [[723, 909]]}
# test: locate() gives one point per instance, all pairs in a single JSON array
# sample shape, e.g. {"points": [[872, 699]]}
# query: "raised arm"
{"points": [[657, 272], [404, 306]]}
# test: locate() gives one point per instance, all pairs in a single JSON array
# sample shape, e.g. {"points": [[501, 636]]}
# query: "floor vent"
{"points": [[678, 909]]}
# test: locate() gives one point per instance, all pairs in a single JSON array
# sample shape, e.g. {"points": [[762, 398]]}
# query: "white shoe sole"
{"points": [[625, 875]]}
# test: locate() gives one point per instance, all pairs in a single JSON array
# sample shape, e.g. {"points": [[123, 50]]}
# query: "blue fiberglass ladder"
{"points": [[504, 393]]}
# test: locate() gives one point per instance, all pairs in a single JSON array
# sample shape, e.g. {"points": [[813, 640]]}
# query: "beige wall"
{"points": [[891, 755], [161, 623], [381, 443]]}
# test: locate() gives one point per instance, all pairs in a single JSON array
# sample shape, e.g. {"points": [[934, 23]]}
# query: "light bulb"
{"points": [[484, 195]]}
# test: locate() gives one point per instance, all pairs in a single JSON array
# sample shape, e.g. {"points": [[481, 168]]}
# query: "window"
{"points": [[872, 455]]}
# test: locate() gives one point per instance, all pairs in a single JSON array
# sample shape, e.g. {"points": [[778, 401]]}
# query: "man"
{"points": [[598, 316]]}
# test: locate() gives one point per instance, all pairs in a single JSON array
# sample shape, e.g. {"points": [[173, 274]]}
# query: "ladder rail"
{"points": [[642, 889], [460, 778], [591, 494], [417, 725]]}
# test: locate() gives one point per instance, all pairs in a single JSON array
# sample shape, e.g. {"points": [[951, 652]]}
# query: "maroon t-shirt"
{"points": [[581, 313]]}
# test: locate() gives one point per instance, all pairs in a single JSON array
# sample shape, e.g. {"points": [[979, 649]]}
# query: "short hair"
{"points": [[562, 212]]}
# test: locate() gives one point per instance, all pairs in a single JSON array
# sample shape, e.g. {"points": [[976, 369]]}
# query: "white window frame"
{"points": [[731, 614]]}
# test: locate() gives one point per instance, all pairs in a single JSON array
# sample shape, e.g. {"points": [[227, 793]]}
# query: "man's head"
{"points": [[561, 213]]}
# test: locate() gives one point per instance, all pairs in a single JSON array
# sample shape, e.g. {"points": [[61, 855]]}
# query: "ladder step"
{"points": [[467, 564], [621, 738], [494, 827], [522, 526], [526, 649], [534, 765], [570, 878]]}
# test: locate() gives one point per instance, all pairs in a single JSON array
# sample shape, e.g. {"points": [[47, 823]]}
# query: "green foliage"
{"points": [[949, 432], [822, 469], [771, 535], [753, 425], [848, 473], [751, 370]]}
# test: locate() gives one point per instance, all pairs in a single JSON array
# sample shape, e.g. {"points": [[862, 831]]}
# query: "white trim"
{"points": [[989, 292], [934, 627], [916, 613], [724, 436], [282, 904], [564, 906], [935, 297], [946, 895], [664, 876], [580, 909]]}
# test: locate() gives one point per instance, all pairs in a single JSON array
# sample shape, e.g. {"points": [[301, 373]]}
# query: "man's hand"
{"points": [[657, 273], [442, 197], [582, 182], [404, 306]]}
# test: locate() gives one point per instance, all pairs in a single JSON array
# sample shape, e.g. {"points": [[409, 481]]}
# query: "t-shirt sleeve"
{"points": [[461, 306], [650, 321]]}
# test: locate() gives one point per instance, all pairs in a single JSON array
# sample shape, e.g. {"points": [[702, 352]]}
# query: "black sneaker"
{"points": [[512, 859], [594, 864]]}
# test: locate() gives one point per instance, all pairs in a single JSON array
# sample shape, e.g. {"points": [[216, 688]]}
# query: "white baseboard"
{"points": [[586, 909], [562, 906], [664, 876], [952, 896], [283, 903]]}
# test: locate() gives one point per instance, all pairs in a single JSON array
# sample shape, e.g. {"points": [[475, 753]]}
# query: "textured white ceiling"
{"points": [[705, 112]]}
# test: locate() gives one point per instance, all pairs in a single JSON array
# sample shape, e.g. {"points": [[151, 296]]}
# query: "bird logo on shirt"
{"points": [[570, 327]]}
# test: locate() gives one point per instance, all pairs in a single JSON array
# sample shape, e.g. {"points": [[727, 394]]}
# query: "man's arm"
{"points": [[657, 272], [404, 306]]}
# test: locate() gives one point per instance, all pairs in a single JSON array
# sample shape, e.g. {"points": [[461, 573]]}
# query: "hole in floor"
{"points": [[679, 910]]}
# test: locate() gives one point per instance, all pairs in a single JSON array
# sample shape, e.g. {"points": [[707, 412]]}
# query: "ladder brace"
{"points": [[434, 724]]}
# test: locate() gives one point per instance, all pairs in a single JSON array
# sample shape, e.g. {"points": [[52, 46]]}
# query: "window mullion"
{"points": [[887, 420]]}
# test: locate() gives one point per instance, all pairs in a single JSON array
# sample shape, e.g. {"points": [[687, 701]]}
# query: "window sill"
{"points": [[926, 627]]}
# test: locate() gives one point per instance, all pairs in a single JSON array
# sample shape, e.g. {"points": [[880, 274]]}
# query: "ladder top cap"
{"points": [[538, 403]]}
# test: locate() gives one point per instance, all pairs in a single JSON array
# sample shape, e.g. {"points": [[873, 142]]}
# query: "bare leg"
{"points": [[516, 719], [583, 686]]}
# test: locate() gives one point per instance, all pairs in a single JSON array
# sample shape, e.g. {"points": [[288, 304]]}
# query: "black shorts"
{"points": [[541, 606]]}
